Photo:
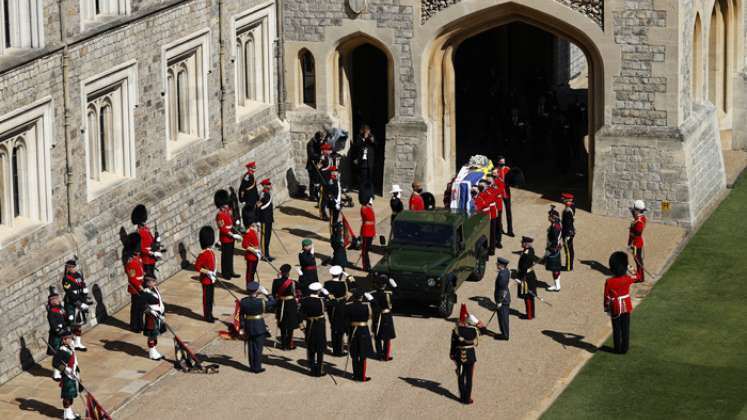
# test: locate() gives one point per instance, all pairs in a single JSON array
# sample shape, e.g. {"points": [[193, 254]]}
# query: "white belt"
{"points": [[621, 302]]}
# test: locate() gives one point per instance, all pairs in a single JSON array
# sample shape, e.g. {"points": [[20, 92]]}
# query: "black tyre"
{"points": [[482, 261], [445, 306]]}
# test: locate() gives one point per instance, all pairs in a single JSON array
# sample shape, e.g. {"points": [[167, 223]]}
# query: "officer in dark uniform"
{"points": [[383, 321], [284, 291], [249, 195], [312, 309], [253, 327], [325, 163], [338, 294], [76, 300], [337, 242], [313, 155], [554, 245], [266, 217], [463, 343], [503, 296], [308, 266], [366, 157], [334, 194], [396, 202], [569, 229], [57, 319], [527, 278], [358, 312]]}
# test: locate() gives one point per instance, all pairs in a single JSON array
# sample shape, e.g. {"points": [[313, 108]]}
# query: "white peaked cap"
{"points": [[639, 205], [335, 270], [396, 188], [315, 287]]}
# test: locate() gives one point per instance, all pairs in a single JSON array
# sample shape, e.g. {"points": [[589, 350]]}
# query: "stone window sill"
{"points": [[107, 182], [249, 109], [177, 146], [21, 227]]}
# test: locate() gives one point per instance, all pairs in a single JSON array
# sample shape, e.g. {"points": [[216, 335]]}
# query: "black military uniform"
{"points": [[284, 291], [337, 242], [334, 196], [312, 308], [552, 250], [266, 218], [358, 314], [463, 342], [249, 195], [313, 155], [527, 277], [366, 159], [396, 204], [325, 162], [251, 315], [338, 294], [569, 230], [65, 360], [308, 269], [383, 321], [502, 297], [76, 301], [58, 320]]}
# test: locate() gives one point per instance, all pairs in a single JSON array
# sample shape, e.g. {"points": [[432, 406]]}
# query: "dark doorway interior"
{"points": [[513, 99], [370, 101]]}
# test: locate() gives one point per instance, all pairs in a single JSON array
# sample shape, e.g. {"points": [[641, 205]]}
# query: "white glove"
{"points": [[259, 254], [325, 292], [69, 371], [157, 255], [85, 290], [236, 236], [83, 306], [70, 317], [499, 305], [237, 222], [368, 296], [337, 206], [263, 290], [392, 282], [312, 250], [300, 272], [211, 275]]}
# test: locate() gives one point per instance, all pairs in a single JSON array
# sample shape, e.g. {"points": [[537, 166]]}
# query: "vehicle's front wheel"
{"points": [[446, 305], [482, 262]]}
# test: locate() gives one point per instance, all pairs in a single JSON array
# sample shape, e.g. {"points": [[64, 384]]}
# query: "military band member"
{"points": [[286, 313], [635, 235], [205, 265], [227, 235], [58, 320], [307, 262], [368, 231], [76, 300], [154, 315], [554, 245], [313, 156], [416, 200], [383, 321], [252, 254], [502, 172], [526, 276], [464, 340], [312, 309], [135, 272], [617, 302], [253, 327], [149, 256], [338, 294], [325, 163], [66, 361], [358, 313], [395, 203], [249, 195], [266, 218], [502, 296], [569, 229], [334, 195], [337, 242]]}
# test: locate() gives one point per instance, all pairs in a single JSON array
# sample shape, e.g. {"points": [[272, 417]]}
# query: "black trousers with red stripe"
{"points": [[383, 349], [251, 269], [530, 308], [466, 371], [365, 247], [208, 291]]}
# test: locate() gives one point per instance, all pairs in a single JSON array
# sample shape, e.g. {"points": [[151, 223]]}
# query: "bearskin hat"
{"points": [[207, 237], [221, 198], [133, 243], [619, 263], [139, 215]]}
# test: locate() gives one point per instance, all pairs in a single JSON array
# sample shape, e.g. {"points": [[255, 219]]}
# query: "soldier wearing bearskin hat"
{"points": [[58, 321], [205, 264], [66, 361], [76, 300], [464, 340], [225, 222], [148, 242], [358, 314], [249, 194], [617, 302], [383, 321], [135, 272], [266, 217], [154, 315], [368, 230]]}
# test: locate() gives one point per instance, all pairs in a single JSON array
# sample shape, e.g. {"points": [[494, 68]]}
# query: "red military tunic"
{"points": [[502, 172], [146, 241], [205, 260], [617, 294], [250, 240], [635, 235], [135, 273], [416, 202], [224, 220], [482, 202], [496, 201], [368, 222]]}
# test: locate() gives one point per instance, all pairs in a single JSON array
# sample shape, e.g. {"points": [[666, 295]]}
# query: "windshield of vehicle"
{"points": [[428, 234]]}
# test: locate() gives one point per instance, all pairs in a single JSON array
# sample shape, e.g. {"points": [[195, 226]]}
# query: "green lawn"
{"points": [[688, 353]]}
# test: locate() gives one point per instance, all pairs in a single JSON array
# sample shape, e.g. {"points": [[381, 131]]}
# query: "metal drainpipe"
{"points": [[280, 50], [66, 115], [221, 61]]}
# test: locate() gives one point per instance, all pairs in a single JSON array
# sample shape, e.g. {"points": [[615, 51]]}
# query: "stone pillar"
{"points": [[405, 154]]}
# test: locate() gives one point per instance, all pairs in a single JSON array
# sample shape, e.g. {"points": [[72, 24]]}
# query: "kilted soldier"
{"points": [[154, 316], [57, 319], [76, 301], [416, 200], [205, 265], [569, 229], [464, 338], [502, 296], [635, 235], [135, 272], [334, 195], [312, 310], [313, 156], [228, 237], [338, 294], [526, 276], [337, 242], [249, 195], [368, 231], [253, 327], [252, 254], [286, 313], [266, 218], [307, 262], [66, 361], [617, 301], [502, 171], [396, 201], [383, 321], [324, 164], [139, 217], [554, 245], [358, 313]]}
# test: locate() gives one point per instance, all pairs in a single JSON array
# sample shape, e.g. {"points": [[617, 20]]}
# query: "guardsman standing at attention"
{"points": [[358, 313], [253, 327], [307, 262], [483, 203], [554, 245], [396, 202], [284, 291], [325, 163], [312, 308], [338, 294], [464, 338], [527, 278], [368, 231], [495, 190], [337, 242], [635, 236], [502, 172], [66, 361], [225, 221], [205, 265], [76, 300], [57, 319], [252, 254], [416, 200], [154, 315], [383, 321], [135, 272], [266, 218], [313, 155], [149, 256], [502, 296], [334, 195], [617, 301], [248, 195], [568, 224]]}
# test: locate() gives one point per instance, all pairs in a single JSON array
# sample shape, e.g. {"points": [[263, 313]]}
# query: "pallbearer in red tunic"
{"points": [[368, 231], [502, 172], [205, 265], [252, 254], [135, 272], [496, 209], [224, 220], [617, 302], [635, 235], [416, 200]]}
